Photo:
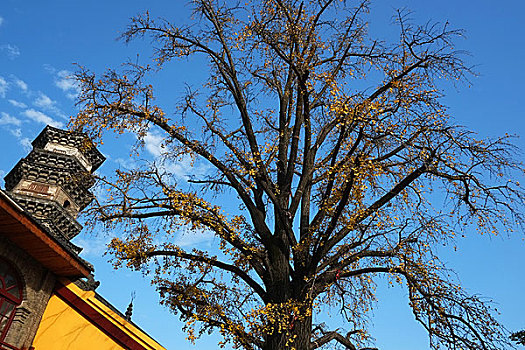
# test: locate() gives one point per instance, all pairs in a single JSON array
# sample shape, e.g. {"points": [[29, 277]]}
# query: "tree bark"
{"points": [[302, 330]]}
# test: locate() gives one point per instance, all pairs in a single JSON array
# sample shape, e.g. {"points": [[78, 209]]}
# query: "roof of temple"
{"points": [[51, 250]]}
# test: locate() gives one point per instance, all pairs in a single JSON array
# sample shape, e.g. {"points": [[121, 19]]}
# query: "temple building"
{"points": [[47, 291]]}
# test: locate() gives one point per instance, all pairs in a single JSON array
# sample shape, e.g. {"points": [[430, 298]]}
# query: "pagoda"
{"points": [[52, 183]]}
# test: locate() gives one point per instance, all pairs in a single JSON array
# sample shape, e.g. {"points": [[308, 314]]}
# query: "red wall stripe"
{"points": [[101, 322]]}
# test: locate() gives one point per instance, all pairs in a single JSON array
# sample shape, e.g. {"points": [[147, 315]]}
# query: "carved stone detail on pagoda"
{"points": [[74, 185], [69, 143]]}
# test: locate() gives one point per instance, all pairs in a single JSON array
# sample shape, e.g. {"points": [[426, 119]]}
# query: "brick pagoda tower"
{"points": [[52, 183]]}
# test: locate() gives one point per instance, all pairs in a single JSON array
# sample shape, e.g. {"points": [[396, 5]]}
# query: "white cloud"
{"points": [[21, 84], [153, 144], [49, 68], [92, 246], [182, 168], [185, 167], [6, 119], [1, 20], [16, 132], [188, 238], [43, 101], [126, 163], [3, 87], [65, 82], [17, 104], [12, 51], [42, 118], [26, 144]]}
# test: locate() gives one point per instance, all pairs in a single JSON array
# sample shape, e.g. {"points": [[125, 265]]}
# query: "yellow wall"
{"points": [[63, 328]]}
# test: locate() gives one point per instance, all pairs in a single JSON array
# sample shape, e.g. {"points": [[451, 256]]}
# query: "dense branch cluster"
{"points": [[342, 159]]}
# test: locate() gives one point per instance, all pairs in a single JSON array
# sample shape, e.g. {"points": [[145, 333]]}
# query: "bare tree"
{"points": [[343, 160]]}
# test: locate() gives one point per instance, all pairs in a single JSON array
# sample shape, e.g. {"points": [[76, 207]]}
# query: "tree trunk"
{"points": [[302, 330], [275, 341], [278, 287]]}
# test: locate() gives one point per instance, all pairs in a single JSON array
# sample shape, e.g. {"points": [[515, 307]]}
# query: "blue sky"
{"points": [[40, 41]]}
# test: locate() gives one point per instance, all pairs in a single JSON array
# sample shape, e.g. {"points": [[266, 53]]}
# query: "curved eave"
{"points": [[23, 231]]}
